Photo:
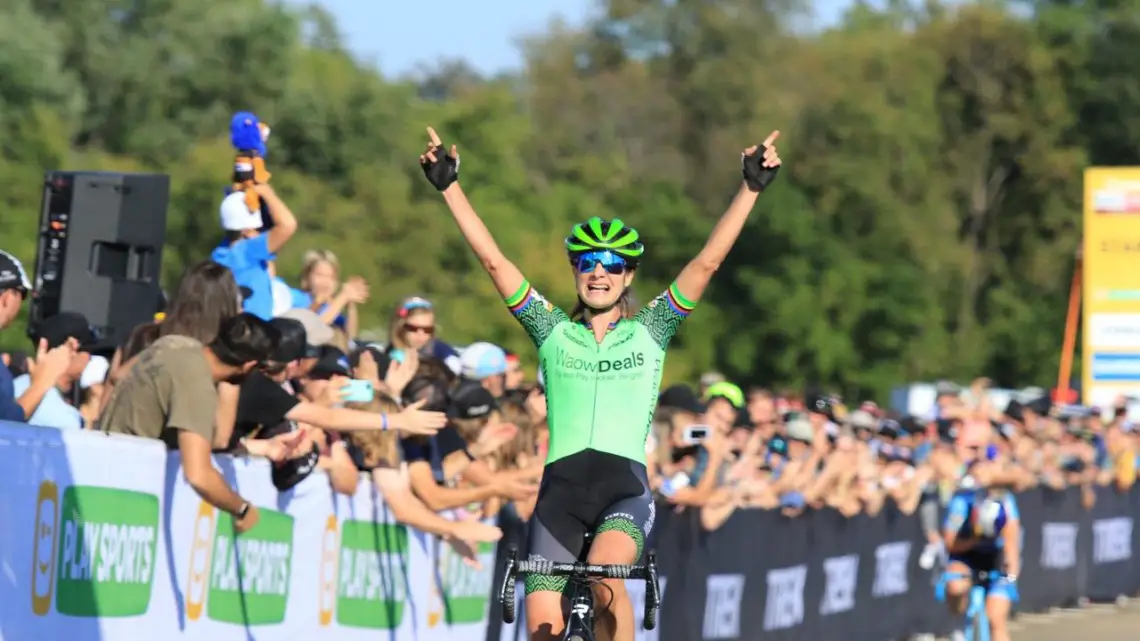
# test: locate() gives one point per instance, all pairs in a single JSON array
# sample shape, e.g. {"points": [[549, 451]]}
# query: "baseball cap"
{"points": [[292, 345], [482, 360], [331, 362], [800, 430], [471, 400], [12, 274], [681, 397], [317, 334], [235, 214], [64, 325], [862, 420]]}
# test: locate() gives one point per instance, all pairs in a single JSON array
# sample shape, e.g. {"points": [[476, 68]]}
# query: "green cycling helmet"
{"points": [[597, 234]]}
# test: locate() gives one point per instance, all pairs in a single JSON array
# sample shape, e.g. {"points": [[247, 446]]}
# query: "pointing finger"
{"points": [[454, 151], [435, 141], [772, 137]]}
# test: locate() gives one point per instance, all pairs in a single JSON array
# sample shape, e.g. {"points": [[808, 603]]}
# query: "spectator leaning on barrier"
{"points": [[54, 410], [266, 406], [247, 251], [170, 395], [49, 364], [378, 455], [435, 462]]}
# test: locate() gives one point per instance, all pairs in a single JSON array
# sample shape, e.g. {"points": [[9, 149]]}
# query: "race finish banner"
{"points": [[102, 539], [1111, 305]]}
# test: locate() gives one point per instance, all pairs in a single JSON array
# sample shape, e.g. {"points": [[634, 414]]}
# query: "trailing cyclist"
{"points": [[602, 366], [982, 533]]}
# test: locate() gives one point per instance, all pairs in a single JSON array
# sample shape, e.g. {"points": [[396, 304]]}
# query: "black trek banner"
{"points": [[821, 575]]}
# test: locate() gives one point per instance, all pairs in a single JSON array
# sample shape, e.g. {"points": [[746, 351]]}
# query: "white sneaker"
{"points": [[957, 635]]}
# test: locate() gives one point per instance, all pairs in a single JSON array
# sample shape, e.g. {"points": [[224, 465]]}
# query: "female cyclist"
{"points": [[602, 366]]}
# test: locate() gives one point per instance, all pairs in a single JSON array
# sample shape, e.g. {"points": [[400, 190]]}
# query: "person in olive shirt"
{"points": [[170, 394]]}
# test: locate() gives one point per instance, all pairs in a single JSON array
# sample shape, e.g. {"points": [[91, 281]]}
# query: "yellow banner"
{"points": [[1111, 289]]}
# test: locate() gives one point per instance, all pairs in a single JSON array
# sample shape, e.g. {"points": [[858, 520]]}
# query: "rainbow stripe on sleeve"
{"points": [[520, 299], [681, 305]]}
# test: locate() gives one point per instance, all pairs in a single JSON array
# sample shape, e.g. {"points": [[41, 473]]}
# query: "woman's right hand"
{"points": [[415, 422], [355, 290]]}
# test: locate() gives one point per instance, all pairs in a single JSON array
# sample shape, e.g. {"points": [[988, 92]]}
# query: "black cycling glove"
{"points": [[756, 175], [442, 172]]}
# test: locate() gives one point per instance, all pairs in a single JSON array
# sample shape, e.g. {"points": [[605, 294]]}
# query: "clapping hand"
{"points": [[50, 364], [355, 290]]}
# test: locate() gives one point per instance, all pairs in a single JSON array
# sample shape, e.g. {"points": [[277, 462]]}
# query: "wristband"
{"points": [[384, 422]]}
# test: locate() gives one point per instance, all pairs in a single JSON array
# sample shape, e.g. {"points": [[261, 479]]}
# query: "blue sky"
{"points": [[400, 35]]}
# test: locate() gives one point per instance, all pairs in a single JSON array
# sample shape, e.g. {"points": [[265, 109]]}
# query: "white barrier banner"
{"points": [[102, 539]]}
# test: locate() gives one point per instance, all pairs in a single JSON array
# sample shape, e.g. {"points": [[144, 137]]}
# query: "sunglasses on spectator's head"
{"points": [[419, 329], [612, 263], [412, 304]]}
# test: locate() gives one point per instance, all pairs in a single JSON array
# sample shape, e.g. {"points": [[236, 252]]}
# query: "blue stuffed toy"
{"points": [[248, 136]]}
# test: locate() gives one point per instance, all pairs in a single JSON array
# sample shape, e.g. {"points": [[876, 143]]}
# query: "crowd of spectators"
{"points": [[720, 450], [241, 362]]}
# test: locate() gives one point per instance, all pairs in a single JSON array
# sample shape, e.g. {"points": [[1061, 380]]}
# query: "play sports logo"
{"points": [[242, 579], [94, 551], [465, 591], [364, 580]]}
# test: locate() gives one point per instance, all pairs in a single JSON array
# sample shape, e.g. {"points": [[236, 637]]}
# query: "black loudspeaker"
{"points": [[100, 250]]}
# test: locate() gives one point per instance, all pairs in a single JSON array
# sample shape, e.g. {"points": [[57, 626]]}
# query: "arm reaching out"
{"points": [[442, 171], [760, 167]]}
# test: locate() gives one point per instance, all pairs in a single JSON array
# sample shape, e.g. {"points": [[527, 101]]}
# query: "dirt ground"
{"points": [[1099, 622]]}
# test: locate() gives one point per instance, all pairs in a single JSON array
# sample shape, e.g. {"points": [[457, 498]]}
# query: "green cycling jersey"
{"points": [[600, 396]]}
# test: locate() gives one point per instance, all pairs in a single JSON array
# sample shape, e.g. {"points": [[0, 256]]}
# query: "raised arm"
{"points": [[760, 166], [443, 172]]}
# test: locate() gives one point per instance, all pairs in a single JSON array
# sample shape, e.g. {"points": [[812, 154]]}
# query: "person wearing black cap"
{"points": [[50, 362], [71, 330], [170, 395], [434, 461]]}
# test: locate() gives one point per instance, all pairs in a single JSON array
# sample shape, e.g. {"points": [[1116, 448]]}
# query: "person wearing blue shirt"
{"points": [[248, 252], [982, 532], [49, 364]]}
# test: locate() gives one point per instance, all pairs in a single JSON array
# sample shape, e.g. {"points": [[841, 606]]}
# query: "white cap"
{"points": [[236, 215], [481, 360], [95, 372]]}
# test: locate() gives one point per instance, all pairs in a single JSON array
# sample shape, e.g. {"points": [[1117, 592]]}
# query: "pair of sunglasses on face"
{"points": [[588, 262]]}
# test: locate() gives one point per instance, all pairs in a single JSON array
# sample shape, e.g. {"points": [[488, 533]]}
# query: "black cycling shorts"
{"points": [[587, 492]]}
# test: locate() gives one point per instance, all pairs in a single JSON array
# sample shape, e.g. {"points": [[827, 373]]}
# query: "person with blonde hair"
{"points": [[378, 455], [322, 291]]}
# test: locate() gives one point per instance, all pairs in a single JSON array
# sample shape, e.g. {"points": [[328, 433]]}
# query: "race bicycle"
{"points": [[977, 623], [582, 576]]}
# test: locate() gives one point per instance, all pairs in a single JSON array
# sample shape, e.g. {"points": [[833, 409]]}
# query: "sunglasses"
{"points": [[419, 329], [612, 263]]}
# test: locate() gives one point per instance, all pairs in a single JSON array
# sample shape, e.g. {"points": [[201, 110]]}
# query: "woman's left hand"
{"points": [[761, 163]]}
